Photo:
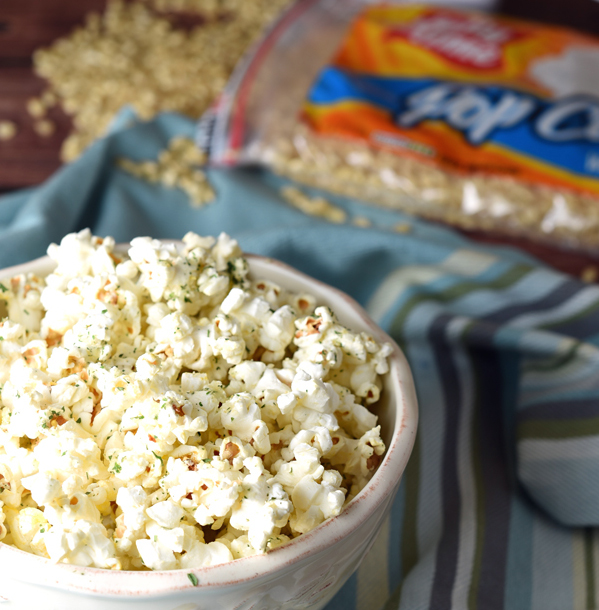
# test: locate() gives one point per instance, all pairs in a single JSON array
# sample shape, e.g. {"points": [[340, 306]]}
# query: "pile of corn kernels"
{"points": [[133, 54]]}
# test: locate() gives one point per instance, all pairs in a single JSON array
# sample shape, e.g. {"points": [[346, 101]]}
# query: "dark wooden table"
{"points": [[29, 158], [26, 25]]}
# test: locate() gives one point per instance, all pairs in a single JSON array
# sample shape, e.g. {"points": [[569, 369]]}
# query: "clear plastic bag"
{"points": [[484, 122]]}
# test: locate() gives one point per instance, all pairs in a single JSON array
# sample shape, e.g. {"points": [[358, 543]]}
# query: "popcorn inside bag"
{"points": [[482, 121], [160, 409]]}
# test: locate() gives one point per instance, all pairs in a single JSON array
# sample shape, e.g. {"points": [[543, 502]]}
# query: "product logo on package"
{"points": [[469, 40], [479, 112]]}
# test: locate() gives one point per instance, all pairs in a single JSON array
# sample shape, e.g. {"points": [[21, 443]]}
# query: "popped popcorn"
{"points": [[162, 409]]}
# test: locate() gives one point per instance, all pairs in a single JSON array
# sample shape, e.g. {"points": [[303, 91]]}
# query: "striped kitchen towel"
{"points": [[499, 500], [499, 505]]}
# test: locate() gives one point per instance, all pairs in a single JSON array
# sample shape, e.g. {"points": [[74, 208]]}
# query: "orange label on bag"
{"points": [[467, 91]]}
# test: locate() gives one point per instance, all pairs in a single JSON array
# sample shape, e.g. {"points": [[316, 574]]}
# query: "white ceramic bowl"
{"points": [[305, 573]]}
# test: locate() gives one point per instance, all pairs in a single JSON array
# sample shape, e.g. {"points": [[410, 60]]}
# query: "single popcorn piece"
{"points": [[44, 128], [8, 130], [160, 409]]}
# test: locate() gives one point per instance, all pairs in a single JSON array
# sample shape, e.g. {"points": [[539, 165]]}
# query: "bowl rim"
{"points": [[124, 583]]}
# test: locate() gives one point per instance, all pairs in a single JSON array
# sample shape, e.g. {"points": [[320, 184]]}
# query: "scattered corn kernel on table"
{"points": [[31, 135]]}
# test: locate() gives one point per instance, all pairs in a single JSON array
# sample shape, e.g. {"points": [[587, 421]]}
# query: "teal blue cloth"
{"points": [[93, 192], [499, 505]]}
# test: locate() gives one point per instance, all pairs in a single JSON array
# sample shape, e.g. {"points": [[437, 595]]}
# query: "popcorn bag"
{"points": [[481, 121]]}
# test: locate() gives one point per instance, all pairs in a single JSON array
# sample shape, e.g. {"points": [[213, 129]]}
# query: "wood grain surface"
{"points": [[29, 158], [26, 25]]}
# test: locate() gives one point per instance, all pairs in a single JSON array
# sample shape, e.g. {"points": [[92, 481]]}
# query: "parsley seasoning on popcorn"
{"points": [[162, 410]]}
